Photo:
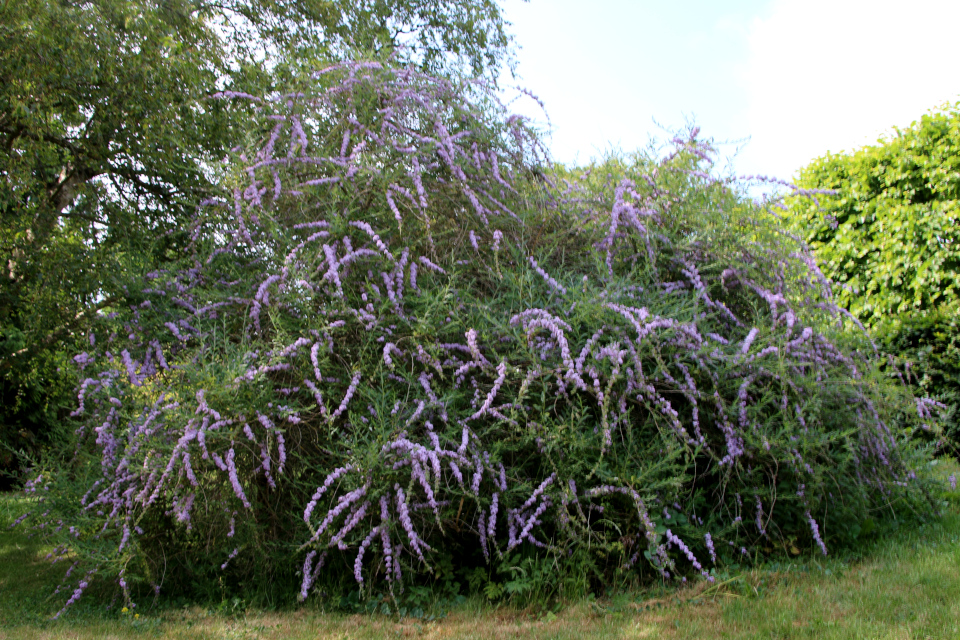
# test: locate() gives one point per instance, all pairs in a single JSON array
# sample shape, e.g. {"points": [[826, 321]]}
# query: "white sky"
{"points": [[797, 77]]}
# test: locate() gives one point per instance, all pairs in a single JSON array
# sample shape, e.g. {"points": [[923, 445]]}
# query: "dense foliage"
{"points": [[928, 352], [890, 238], [404, 349], [109, 140]]}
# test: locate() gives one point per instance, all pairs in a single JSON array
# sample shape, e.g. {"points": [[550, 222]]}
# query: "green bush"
{"points": [[928, 350], [36, 397], [405, 352]]}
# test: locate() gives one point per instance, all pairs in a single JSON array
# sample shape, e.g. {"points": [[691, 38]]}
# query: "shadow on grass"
{"points": [[27, 578], [29, 581]]}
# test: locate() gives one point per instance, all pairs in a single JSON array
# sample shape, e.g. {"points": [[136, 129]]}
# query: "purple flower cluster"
{"points": [[710, 549], [815, 530], [553, 284], [685, 550], [81, 586]]}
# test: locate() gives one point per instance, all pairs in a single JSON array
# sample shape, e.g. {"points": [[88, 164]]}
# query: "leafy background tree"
{"points": [[890, 237], [110, 141]]}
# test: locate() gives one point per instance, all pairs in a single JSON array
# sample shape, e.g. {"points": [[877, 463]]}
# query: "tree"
{"points": [[889, 235], [110, 141]]}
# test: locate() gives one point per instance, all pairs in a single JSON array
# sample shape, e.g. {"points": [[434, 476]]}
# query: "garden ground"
{"points": [[903, 584]]}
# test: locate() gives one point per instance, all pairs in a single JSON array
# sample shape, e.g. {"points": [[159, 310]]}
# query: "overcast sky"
{"points": [[797, 78]]}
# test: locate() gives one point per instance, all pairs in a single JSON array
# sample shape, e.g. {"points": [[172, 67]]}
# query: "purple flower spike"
{"points": [[815, 530]]}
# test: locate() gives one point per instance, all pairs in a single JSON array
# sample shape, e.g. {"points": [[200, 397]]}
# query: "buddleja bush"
{"points": [[404, 346]]}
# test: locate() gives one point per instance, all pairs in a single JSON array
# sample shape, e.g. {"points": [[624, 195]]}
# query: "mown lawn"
{"points": [[903, 585]]}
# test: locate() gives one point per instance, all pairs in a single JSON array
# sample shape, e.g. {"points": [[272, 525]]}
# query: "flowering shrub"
{"points": [[401, 343]]}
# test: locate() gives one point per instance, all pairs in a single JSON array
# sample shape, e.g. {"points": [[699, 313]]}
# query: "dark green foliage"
{"points": [[931, 346], [34, 407]]}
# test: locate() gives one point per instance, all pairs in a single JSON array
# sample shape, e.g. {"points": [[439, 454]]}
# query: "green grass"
{"points": [[903, 584]]}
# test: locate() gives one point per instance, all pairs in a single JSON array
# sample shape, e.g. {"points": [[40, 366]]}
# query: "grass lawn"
{"points": [[905, 584]]}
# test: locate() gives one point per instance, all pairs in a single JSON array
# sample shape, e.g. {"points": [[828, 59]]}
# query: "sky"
{"points": [[776, 82]]}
